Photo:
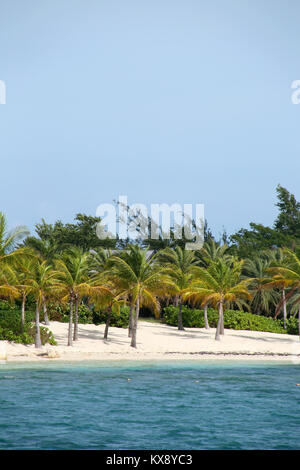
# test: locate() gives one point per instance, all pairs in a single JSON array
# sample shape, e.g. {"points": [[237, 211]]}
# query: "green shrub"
{"points": [[46, 335], [120, 320], [56, 311], [11, 329], [192, 318], [6, 306], [61, 312], [233, 319], [12, 319], [292, 327]]}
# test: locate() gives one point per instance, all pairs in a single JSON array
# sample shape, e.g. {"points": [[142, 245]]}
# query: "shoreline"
{"points": [[163, 359], [157, 342]]}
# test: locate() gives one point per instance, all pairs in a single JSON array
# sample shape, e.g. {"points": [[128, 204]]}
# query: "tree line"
{"points": [[256, 270]]}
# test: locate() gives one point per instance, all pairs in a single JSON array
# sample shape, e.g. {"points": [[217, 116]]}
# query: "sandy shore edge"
{"points": [[157, 342]]}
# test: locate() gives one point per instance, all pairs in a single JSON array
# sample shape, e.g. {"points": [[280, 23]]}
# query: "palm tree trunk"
{"points": [[38, 342], [135, 321], [205, 317], [176, 301], [180, 325], [46, 319], [23, 311], [222, 323], [75, 335], [107, 322], [284, 309], [220, 320], [130, 321], [70, 336]]}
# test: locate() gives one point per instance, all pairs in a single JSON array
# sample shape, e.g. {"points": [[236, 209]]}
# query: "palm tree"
{"points": [[9, 240], [211, 251], [97, 265], [21, 275], [42, 280], [103, 291], [105, 294], [8, 254], [136, 273], [178, 264], [47, 249], [295, 307], [286, 275], [110, 300], [7, 282], [278, 260], [73, 283], [220, 284], [99, 258], [263, 300]]}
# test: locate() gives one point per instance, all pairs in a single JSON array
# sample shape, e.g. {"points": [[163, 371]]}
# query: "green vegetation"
{"points": [[11, 328], [66, 273], [233, 320], [61, 313], [178, 264], [55, 239], [284, 233], [119, 319], [138, 277]]}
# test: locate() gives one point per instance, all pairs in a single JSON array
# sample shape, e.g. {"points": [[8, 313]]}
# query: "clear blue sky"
{"points": [[183, 101]]}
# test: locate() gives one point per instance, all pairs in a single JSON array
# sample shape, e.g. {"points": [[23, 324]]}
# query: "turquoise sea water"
{"points": [[186, 405]]}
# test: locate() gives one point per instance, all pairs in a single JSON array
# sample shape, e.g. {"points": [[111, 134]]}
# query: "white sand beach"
{"points": [[156, 341]]}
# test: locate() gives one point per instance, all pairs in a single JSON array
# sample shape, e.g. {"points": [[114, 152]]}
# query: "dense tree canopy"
{"points": [[284, 233], [58, 236], [256, 270]]}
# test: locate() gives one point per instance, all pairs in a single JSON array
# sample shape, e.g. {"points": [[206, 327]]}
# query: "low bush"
{"points": [[292, 326], [11, 329], [233, 319], [61, 312], [120, 320], [6, 306]]}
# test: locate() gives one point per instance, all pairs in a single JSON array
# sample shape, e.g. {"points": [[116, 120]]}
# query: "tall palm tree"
{"points": [[112, 305], [21, 273], [136, 273], [286, 275], [105, 295], [210, 252], [23, 265], [97, 265], [72, 271], [263, 300], [278, 259], [220, 284], [42, 280], [178, 264], [103, 292], [8, 253]]}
